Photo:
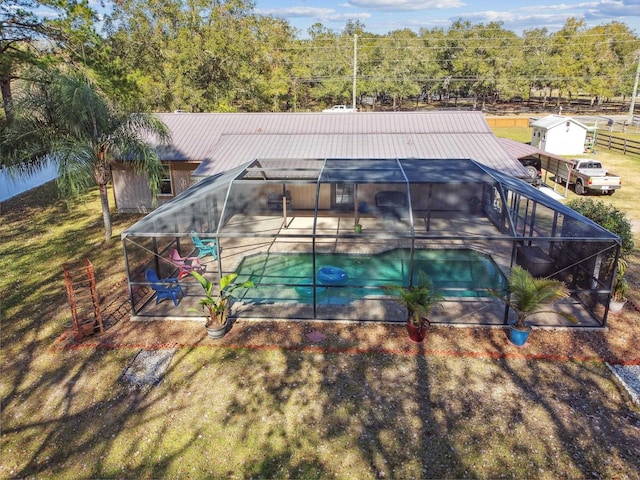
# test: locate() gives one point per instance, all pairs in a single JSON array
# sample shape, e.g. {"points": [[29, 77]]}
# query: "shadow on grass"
{"points": [[569, 418], [362, 415], [277, 413]]}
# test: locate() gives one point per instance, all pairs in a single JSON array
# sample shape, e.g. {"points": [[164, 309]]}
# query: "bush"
{"points": [[608, 217]]}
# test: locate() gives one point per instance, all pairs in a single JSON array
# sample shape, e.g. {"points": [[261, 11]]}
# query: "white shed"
{"points": [[559, 135]]}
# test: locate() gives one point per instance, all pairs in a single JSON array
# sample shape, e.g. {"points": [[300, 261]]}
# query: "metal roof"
{"points": [[233, 150], [551, 121], [221, 141], [523, 150]]}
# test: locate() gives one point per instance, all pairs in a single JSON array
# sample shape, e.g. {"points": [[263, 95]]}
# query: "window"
{"points": [[166, 184], [343, 196]]}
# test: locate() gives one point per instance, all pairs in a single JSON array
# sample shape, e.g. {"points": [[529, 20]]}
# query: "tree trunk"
{"points": [[102, 175], [106, 215], [7, 98]]}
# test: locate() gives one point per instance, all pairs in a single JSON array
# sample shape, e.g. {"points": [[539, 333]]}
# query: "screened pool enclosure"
{"points": [[320, 238]]}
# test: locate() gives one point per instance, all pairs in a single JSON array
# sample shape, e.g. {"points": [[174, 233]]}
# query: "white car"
{"points": [[339, 109]]}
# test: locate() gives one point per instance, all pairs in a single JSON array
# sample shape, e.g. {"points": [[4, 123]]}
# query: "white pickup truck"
{"points": [[339, 109], [588, 175]]}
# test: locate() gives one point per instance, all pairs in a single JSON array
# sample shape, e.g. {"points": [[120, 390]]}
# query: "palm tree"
{"points": [[69, 119], [529, 295], [419, 299]]}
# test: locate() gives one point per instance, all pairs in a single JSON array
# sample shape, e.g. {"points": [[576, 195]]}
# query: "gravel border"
{"points": [[629, 377]]}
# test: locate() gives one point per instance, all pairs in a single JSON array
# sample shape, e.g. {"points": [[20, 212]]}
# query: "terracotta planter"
{"points": [[417, 334]]}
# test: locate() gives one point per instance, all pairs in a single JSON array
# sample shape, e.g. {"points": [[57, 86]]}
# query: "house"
{"points": [[559, 135], [207, 144]]}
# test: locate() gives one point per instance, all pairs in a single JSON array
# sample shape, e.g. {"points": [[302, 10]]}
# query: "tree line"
{"points": [[70, 78], [220, 55]]}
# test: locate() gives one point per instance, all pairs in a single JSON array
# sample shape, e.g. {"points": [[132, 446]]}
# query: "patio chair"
{"points": [[164, 287], [186, 265], [205, 246], [391, 204]]}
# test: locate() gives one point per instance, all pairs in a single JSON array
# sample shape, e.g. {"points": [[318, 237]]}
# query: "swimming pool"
{"points": [[288, 277]]}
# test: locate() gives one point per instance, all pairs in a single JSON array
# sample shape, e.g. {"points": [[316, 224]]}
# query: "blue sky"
{"points": [[382, 16]]}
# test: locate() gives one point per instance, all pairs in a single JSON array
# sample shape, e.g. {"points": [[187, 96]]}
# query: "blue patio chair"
{"points": [[206, 246], [164, 287]]}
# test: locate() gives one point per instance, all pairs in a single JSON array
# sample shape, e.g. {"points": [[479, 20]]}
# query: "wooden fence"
{"points": [[495, 122], [620, 144]]}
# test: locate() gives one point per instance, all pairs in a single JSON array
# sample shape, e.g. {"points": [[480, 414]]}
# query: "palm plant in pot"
{"points": [[527, 296], [216, 306], [419, 299], [620, 288]]}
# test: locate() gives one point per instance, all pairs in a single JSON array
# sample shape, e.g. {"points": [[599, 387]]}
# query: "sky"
{"points": [[383, 16]]}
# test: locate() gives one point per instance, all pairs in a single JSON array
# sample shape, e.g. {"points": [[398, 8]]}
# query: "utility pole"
{"points": [[635, 92], [355, 71]]}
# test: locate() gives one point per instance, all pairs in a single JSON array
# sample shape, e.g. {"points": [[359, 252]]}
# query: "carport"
{"points": [[550, 163]]}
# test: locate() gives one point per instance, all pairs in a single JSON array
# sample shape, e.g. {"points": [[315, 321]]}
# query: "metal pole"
{"points": [[355, 71], [632, 105]]}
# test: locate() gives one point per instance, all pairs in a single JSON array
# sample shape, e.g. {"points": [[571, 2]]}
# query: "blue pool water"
{"points": [[283, 277]]}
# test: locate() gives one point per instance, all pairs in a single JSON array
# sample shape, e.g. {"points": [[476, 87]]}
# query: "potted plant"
{"points": [[527, 296], [418, 299], [620, 290], [217, 323], [357, 228]]}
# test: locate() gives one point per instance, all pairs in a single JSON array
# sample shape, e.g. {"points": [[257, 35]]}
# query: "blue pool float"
{"points": [[331, 275]]}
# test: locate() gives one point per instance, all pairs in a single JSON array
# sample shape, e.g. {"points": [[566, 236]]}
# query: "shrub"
{"points": [[608, 217]]}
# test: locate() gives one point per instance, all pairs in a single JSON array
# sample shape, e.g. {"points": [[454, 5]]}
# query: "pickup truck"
{"points": [[339, 109], [588, 175]]}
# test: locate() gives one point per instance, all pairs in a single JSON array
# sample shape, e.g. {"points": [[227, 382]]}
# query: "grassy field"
{"points": [[242, 413]]}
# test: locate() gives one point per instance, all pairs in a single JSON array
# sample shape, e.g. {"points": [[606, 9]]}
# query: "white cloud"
{"points": [[605, 8], [510, 17], [628, 8], [406, 5], [555, 16], [561, 7], [311, 12], [324, 14]]}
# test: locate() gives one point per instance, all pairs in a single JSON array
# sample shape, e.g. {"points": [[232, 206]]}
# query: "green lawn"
{"points": [[520, 134], [242, 413]]}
